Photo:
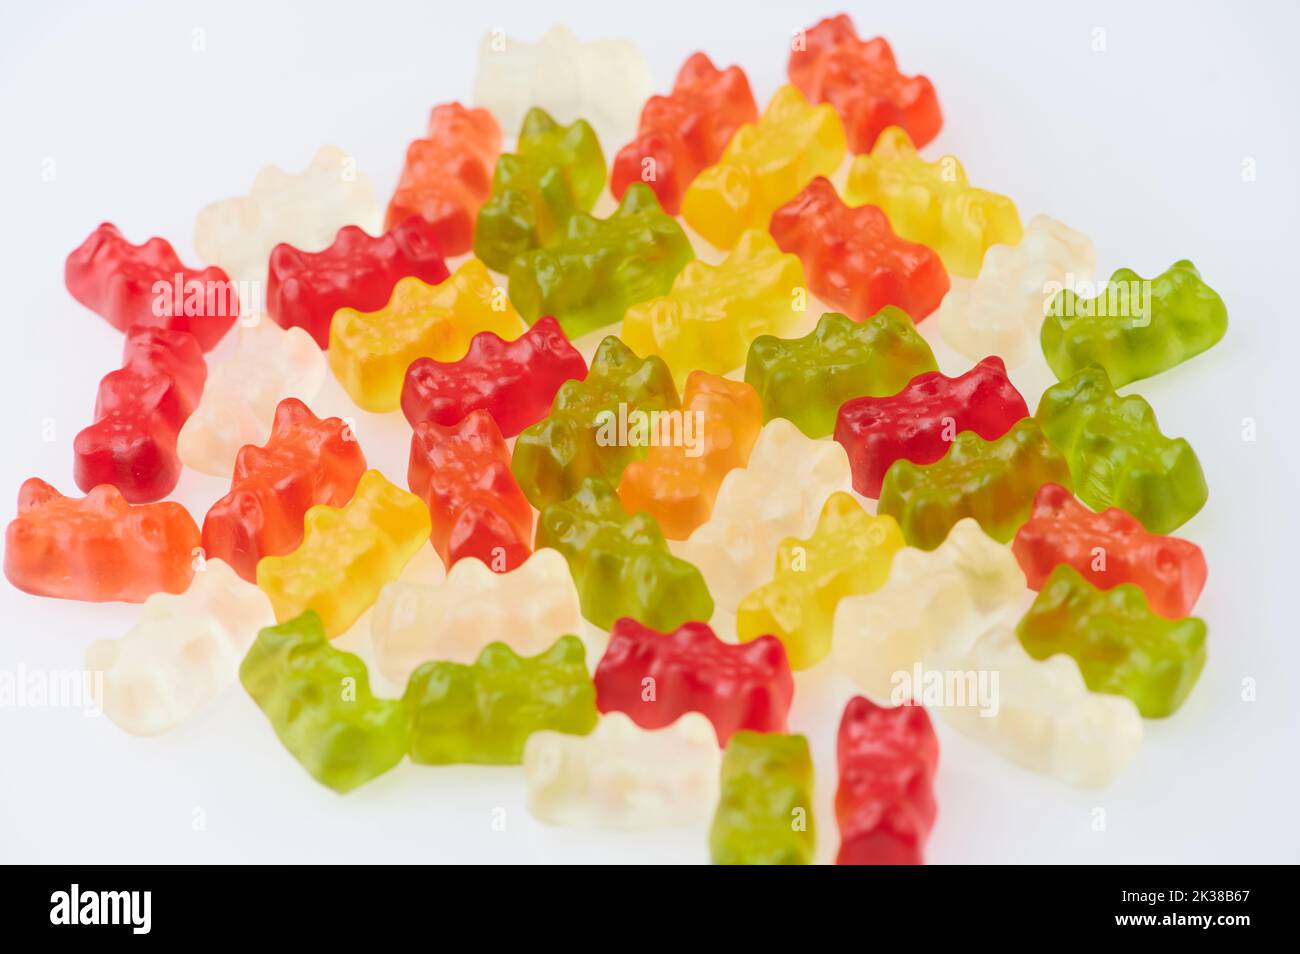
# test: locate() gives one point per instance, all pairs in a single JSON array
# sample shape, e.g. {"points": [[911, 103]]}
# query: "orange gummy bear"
{"points": [[678, 479], [98, 547]]}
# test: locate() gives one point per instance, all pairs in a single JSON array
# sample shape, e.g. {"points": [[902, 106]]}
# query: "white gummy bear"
{"points": [[528, 609], [305, 209], [930, 604], [184, 651], [778, 494], [240, 396], [621, 776], [605, 82], [1001, 311], [1046, 718]]}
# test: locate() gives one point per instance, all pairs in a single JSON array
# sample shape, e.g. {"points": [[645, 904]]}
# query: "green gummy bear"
{"points": [[484, 713], [805, 380], [1173, 317], [1117, 454], [319, 702], [583, 435], [1120, 645], [765, 807], [555, 172], [621, 564], [992, 481], [589, 275]]}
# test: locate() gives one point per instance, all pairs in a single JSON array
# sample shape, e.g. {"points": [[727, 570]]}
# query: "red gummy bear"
{"points": [[307, 461], [138, 414], [686, 131], [98, 547], [304, 289], [1108, 548], [462, 472], [885, 800], [448, 175], [514, 381], [146, 285], [738, 686], [861, 80], [854, 261], [920, 422]]}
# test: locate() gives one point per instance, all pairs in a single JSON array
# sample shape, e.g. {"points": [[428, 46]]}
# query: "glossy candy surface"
{"points": [[854, 261], [1107, 549], [485, 712], [139, 411], [304, 289], [682, 133], [620, 563], [1117, 454], [1120, 645], [148, 286], [920, 421], [1135, 327], [992, 481], [763, 167], [848, 554], [807, 379], [98, 547], [307, 461], [932, 202], [689, 669], [765, 810], [514, 381]]}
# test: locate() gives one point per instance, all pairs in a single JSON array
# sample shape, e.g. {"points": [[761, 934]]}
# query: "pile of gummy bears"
{"points": [[651, 491]]}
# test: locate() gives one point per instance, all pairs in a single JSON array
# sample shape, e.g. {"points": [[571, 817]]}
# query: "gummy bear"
{"points": [[621, 564], [763, 167], [484, 713], [462, 473], [684, 132], [676, 482], [848, 554], [932, 202], [98, 547], [318, 701], [514, 381], [304, 289], [765, 810], [853, 259], [805, 380], [595, 269], [346, 555], [147, 286], [448, 175], [370, 351], [307, 461]]}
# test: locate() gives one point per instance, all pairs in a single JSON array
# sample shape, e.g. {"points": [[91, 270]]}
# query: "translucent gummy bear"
{"points": [[527, 609], [622, 776], [305, 209], [241, 394], [1001, 311], [929, 603], [184, 651], [602, 81], [778, 494]]}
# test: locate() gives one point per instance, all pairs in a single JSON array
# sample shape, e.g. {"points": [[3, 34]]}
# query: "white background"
{"points": [[1141, 145]]}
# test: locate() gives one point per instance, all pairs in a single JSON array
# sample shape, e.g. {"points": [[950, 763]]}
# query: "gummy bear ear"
{"points": [[638, 198], [35, 493], [536, 122]]}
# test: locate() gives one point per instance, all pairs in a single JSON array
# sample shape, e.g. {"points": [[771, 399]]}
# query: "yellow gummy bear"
{"points": [[714, 312], [849, 554], [347, 554], [370, 351], [764, 167], [932, 202]]}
